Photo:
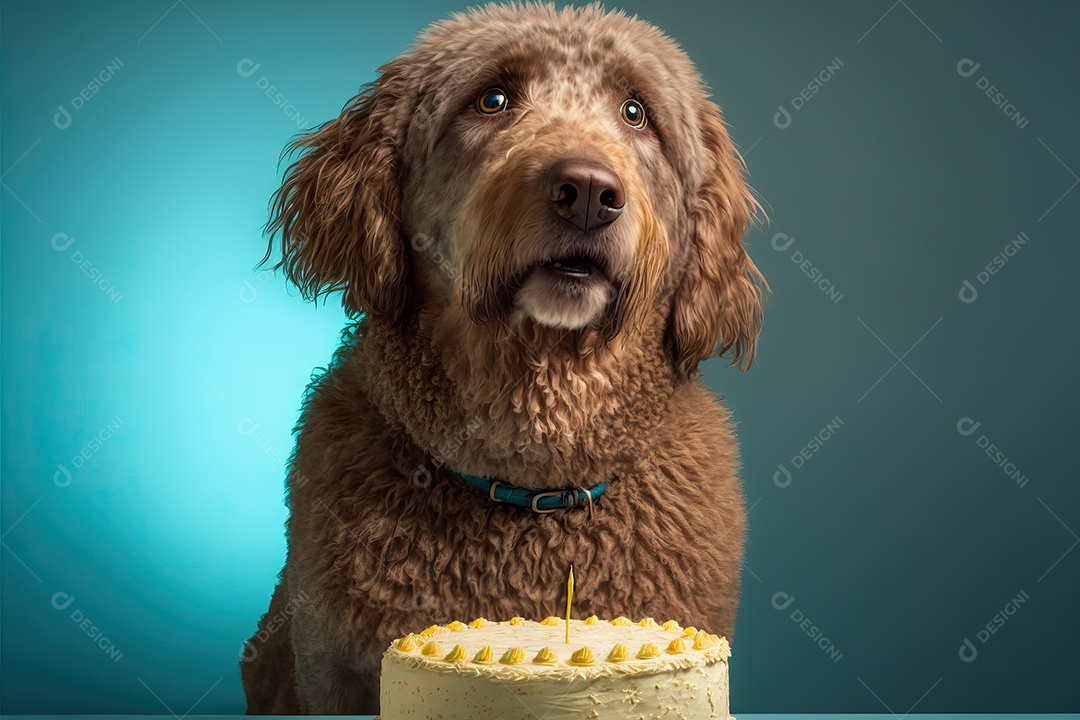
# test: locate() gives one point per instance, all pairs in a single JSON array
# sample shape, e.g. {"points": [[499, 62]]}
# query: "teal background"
{"points": [[899, 180]]}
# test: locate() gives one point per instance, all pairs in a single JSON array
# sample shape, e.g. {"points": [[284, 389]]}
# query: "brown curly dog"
{"points": [[538, 213]]}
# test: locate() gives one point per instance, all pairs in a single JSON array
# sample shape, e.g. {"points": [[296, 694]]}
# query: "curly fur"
{"points": [[424, 216]]}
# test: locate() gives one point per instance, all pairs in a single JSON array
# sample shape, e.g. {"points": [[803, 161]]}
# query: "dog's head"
{"points": [[525, 165]]}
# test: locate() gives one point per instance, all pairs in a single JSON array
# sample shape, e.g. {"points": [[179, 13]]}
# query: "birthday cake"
{"points": [[520, 669]]}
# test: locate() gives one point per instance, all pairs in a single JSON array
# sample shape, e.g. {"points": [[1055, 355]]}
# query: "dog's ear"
{"points": [[718, 305], [338, 209]]}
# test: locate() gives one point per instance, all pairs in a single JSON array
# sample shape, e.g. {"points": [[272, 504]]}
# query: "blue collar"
{"points": [[539, 501]]}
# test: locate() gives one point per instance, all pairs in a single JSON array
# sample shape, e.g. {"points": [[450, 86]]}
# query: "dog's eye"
{"points": [[491, 101], [633, 113]]}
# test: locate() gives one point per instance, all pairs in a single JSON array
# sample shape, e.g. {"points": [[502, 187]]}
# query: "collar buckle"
{"points": [[536, 499]]}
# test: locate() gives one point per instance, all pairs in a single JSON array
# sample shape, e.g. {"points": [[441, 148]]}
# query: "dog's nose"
{"points": [[585, 193]]}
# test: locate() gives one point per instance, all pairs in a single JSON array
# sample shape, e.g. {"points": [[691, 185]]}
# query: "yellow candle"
{"points": [[569, 599]]}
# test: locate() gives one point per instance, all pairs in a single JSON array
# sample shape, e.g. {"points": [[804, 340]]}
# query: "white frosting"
{"points": [[691, 684]]}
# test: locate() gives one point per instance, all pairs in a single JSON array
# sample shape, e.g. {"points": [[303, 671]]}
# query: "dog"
{"points": [[534, 218]]}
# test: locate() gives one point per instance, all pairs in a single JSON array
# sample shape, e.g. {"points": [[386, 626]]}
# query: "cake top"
{"points": [[520, 649]]}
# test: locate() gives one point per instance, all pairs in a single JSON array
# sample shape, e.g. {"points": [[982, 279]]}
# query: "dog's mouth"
{"points": [[581, 268], [570, 291]]}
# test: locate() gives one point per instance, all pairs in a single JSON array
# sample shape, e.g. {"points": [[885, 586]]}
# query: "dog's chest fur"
{"points": [[389, 540]]}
